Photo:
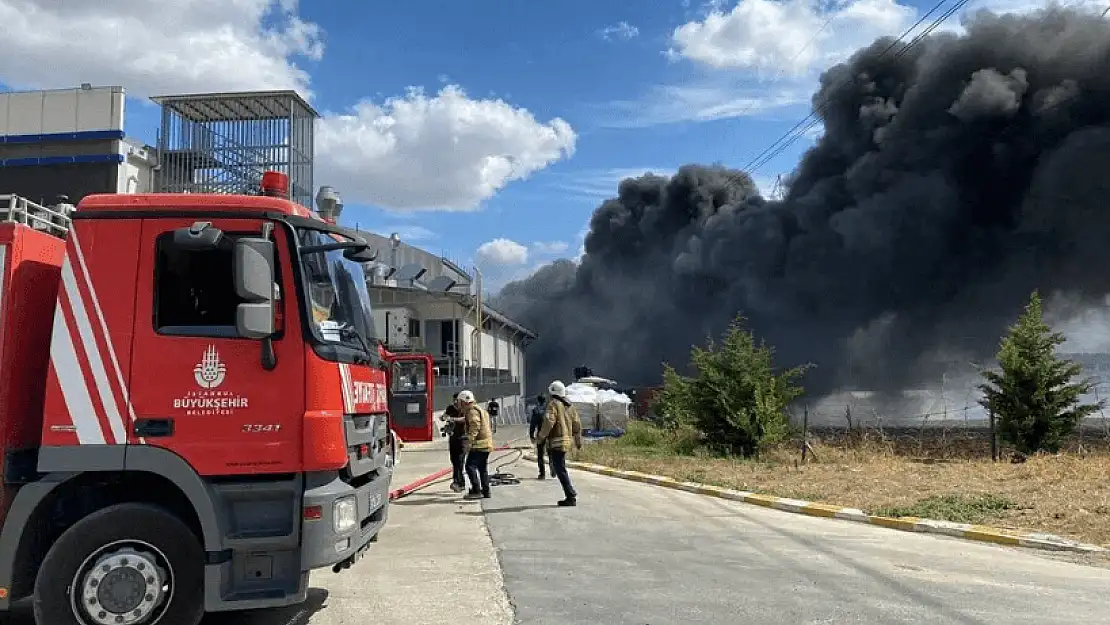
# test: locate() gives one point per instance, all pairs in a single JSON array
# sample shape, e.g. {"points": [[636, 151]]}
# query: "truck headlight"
{"points": [[344, 514]]}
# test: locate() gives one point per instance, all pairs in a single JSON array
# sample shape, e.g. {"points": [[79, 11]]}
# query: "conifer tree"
{"points": [[1035, 396]]}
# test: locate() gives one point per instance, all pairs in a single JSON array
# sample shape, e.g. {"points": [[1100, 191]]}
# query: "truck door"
{"points": [[410, 396], [197, 387]]}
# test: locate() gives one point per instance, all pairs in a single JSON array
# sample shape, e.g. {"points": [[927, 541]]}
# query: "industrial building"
{"points": [[426, 303], [71, 142]]}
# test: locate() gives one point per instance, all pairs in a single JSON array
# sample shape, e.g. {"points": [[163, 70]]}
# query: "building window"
{"points": [[414, 328], [194, 293]]}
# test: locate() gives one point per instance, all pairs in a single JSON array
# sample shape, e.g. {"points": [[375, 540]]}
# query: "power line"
{"points": [[772, 151], [845, 83], [811, 120]]}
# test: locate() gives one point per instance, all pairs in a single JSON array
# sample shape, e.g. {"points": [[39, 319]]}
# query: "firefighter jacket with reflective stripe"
{"points": [[478, 429], [561, 427]]}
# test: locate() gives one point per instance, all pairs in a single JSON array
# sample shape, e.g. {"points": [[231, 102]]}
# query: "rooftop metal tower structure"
{"points": [[222, 142]]}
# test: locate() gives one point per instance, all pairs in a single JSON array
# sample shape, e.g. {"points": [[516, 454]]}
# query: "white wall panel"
{"points": [[468, 347], [61, 111], [488, 345]]}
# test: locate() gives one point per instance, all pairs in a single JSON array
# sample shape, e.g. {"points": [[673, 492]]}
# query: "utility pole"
{"points": [[776, 190], [478, 351]]}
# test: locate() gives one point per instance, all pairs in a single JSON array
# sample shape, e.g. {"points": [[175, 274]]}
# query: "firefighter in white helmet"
{"points": [[480, 434], [561, 428]]}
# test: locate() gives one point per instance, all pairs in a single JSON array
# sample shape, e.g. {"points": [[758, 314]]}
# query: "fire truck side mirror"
{"points": [[254, 282], [361, 255]]}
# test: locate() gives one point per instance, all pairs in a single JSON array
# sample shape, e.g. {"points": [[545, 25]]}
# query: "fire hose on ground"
{"points": [[497, 478]]}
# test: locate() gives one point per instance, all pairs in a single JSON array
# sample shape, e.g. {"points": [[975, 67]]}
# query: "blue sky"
{"points": [[669, 83]]}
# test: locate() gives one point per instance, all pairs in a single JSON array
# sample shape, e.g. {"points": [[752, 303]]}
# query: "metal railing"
{"points": [[469, 375], [53, 220]]}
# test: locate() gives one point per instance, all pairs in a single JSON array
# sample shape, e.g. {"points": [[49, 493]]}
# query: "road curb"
{"points": [[966, 531]]}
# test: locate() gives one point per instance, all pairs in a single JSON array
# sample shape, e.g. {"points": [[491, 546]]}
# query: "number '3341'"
{"points": [[261, 427]]}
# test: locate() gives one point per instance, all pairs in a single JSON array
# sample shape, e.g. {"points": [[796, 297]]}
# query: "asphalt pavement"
{"points": [[637, 554]]}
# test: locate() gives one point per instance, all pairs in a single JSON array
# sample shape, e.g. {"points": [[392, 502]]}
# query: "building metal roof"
{"points": [[237, 106], [416, 294]]}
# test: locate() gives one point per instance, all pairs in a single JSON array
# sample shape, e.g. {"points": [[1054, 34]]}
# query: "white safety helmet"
{"points": [[466, 397], [557, 389]]}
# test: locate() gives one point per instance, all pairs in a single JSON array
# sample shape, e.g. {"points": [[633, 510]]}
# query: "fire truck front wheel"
{"points": [[127, 564]]}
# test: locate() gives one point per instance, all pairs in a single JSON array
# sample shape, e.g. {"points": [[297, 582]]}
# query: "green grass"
{"points": [[649, 440], [955, 508]]}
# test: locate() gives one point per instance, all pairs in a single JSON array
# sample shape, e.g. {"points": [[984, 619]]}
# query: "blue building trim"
{"points": [[62, 160], [87, 135]]}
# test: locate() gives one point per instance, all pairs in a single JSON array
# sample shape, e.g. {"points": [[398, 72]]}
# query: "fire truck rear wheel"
{"points": [[127, 564]]}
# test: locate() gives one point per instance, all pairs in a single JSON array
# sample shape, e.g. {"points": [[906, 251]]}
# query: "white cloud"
{"points": [[1028, 6], [550, 247], [447, 151], [581, 238], [152, 48], [413, 151], [791, 37], [599, 184], [502, 251], [620, 30], [760, 57], [800, 38], [495, 278], [718, 97]]}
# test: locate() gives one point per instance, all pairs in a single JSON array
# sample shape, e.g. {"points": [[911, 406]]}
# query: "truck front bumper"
{"points": [[321, 543]]}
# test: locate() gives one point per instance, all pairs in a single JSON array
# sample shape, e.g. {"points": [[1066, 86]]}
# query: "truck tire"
{"points": [[130, 560]]}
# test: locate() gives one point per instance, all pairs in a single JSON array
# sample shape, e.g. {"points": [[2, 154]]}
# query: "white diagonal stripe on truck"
{"points": [[92, 352], [72, 382], [103, 328], [348, 393]]}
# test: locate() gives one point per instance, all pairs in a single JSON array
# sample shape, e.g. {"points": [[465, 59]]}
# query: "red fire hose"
{"points": [[428, 479], [424, 481]]}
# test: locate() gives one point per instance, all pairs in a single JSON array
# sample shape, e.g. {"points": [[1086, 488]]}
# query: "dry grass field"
{"points": [[934, 474]]}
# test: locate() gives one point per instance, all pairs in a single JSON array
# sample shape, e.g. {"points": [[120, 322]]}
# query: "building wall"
{"points": [[514, 359], [136, 175], [523, 375], [501, 348], [489, 345], [61, 111], [468, 351], [433, 337], [69, 142], [44, 183]]}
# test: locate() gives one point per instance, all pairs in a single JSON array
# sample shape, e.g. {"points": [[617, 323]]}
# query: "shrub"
{"points": [[735, 400]]}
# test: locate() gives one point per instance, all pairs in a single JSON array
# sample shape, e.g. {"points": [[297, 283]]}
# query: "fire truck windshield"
{"points": [[337, 296]]}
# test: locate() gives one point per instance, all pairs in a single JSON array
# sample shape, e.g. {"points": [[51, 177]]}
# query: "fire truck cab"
{"points": [[193, 406]]}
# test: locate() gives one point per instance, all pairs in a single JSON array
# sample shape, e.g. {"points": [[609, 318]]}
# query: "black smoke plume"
{"points": [[949, 183]]}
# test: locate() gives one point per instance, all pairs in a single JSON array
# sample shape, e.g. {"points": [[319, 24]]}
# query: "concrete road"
{"points": [[635, 554], [433, 564]]}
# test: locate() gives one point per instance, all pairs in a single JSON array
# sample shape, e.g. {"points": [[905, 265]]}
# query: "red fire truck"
{"points": [[193, 406]]}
